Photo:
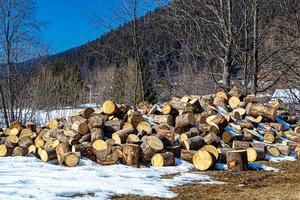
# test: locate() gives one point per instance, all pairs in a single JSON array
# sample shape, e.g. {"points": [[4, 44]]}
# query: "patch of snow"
{"points": [[28, 177], [287, 95], [251, 166], [290, 157]]}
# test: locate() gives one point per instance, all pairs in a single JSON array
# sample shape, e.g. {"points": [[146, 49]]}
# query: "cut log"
{"points": [[99, 145], [211, 138], [81, 127], [107, 156], [189, 134], [234, 102], [47, 155], [19, 151], [97, 133], [193, 143], [255, 154], [163, 159], [25, 142], [167, 109], [187, 155], [144, 126], [203, 160], [135, 118], [96, 122], [121, 136], [211, 149], [185, 120], [131, 153], [132, 139], [273, 151], [176, 150], [266, 111], [222, 154], [227, 137], [53, 123], [109, 107], [163, 119], [86, 113], [65, 156], [240, 145], [237, 160], [3, 150], [220, 102], [150, 146], [284, 149], [269, 136]]}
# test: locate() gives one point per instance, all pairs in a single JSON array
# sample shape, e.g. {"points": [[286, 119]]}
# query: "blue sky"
{"points": [[68, 22]]}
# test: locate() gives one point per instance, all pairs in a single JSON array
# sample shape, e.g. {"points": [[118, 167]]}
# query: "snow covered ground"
{"points": [[27, 177]]}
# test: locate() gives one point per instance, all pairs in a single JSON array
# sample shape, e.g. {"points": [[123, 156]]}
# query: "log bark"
{"points": [[237, 160], [131, 153], [107, 156], [185, 120], [65, 156], [150, 146], [163, 159], [121, 136], [240, 145], [266, 111], [194, 143]]}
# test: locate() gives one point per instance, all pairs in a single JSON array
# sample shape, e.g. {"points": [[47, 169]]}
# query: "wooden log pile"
{"points": [[204, 130]]}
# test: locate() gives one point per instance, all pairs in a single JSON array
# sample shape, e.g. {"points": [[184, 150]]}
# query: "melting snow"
{"points": [[27, 177]]}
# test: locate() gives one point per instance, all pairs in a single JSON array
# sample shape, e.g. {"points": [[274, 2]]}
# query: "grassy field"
{"points": [[249, 185]]}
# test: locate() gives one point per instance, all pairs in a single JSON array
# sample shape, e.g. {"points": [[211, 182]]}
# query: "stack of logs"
{"points": [[204, 130]]}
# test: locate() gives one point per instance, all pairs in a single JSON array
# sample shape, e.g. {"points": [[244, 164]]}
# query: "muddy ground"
{"points": [[284, 185]]}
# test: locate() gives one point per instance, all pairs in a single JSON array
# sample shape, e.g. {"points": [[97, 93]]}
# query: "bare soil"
{"points": [[260, 185]]}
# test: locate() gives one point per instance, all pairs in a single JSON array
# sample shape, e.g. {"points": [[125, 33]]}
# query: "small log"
{"points": [[191, 133], [269, 136], [237, 160], [109, 107], [220, 102], [163, 119], [176, 150], [211, 138], [65, 156], [121, 135], [150, 146], [255, 154], [19, 151], [240, 145], [135, 118], [25, 142], [203, 160], [81, 127], [97, 133], [187, 155], [185, 120], [273, 151], [99, 145], [47, 155], [266, 111], [132, 139], [234, 102], [53, 123], [167, 109], [163, 159], [87, 112], [284, 149], [193, 143], [131, 153], [144, 126], [3, 150], [107, 156]]}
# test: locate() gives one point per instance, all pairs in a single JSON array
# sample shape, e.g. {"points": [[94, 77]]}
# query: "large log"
{"points": [[237, 160], [185, 120], [107, 156], [163, 159], [193, 143], [203, 160], [150, 146], [131, 153], [109, 107], [255, 154], [266, 111]]}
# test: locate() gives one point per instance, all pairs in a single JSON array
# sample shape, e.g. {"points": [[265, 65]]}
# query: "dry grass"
{"points": [[249, 185]]}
